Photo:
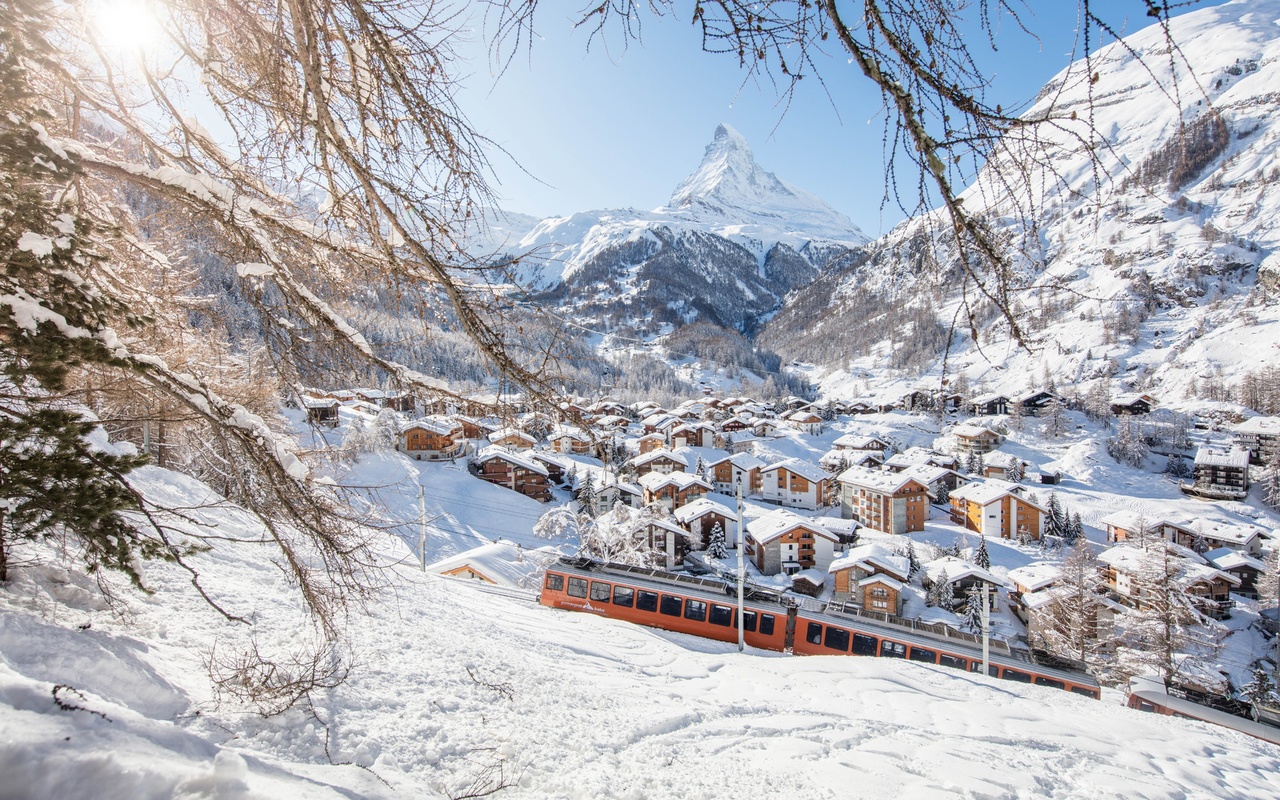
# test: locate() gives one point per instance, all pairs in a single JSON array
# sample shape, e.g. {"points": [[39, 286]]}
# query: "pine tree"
{"points": [[1056, 520], [982, 558], [973, 463], [52, 479], [1075, 531], [1016, 471], [971, 616], [1055, 418], [716, 546], [586, 494], [1176, 467], [943, 495], [913, 562], [1260, 688], [939, 588]]}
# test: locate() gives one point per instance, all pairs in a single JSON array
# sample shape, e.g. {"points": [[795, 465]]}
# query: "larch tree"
{"points": [[1070, 623]]}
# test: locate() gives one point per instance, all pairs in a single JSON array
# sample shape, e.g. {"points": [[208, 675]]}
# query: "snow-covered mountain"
{"points": [[1160, 259], [731, 242]]}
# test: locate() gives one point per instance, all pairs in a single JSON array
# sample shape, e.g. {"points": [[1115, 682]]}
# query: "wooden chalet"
{"points": [[726, 473], [321, 411], [701, 516], [866, 561], [976, 439], [1219, 474], [1260, 436], [672, 490], [797, 484], [567, 439], [963, 578], [1132, 404], [989, 405], [783, 541], [664, 462], [997, 510], [432, 439], [514, 471], [512, 439], [806, 422]]}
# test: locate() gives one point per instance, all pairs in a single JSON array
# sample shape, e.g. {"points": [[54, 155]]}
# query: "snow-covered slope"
{"points": [[733, 240], [454, 690], [1160, 258]]}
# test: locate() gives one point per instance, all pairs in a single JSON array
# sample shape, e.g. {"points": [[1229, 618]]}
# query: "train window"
{"points": [[864, 645], [953, 662], [555, 582], [814, 634], [577, 587], [748, 621], [1015, 675], [1043, 681], [624, 596], [766, 625], [695, 610], [722, 615], [670, 605], [1085, 691], [921, 654], [646, 601], [1144, 705], [976, 666], [890, 649], [601, 591], [837, 639]]}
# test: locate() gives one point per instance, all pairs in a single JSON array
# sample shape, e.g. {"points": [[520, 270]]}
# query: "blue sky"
{"points": [[618, 127]]}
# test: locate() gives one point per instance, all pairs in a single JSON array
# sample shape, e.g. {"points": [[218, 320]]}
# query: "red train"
{"points": [[704, 607]]}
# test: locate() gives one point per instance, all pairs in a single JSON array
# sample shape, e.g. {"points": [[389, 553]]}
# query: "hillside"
{"points": [[453, 690], [1157, 263]]}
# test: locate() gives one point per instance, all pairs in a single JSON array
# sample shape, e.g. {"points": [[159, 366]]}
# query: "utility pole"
{"points": [[986, 631], [422, 527], [742, 571]]}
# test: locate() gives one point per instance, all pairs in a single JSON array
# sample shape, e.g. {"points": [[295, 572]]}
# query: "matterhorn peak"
{"points": [[729, 186]]}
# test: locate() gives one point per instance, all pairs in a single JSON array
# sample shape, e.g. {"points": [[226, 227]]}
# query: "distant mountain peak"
{"points": [[730, 186]]}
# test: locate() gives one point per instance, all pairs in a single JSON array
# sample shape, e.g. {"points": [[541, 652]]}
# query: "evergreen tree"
{"points": [[1270, 482], [716, 547], [1260, 688], [936, 594], [913, 562], [982, 558], [700, 468], [1075, 531], [1016, 471], [53, 481], [973, 463], [943, 495], [1176, 467], [971, 616], [1056, 521], [1055, 418], [1269, 580], [586, 495]]}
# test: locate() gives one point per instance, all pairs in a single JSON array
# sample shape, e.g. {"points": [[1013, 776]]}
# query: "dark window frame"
{"points": [[864, 645], [699, 615], [555, 583], [836, 639], [725, 613], [599, 596], [671, 605], [620, 592], [646, 601], [573, 589], [813, 634]]}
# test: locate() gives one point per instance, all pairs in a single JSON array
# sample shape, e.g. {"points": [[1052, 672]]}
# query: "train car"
{"points": [[679, 603], [1150, 695], [707, 607]]}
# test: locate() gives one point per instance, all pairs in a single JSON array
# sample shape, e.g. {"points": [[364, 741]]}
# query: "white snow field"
{"points": [[453, 690]]}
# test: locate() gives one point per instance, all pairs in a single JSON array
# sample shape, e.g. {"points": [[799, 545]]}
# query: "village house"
{"points": [[741, 442], [783, 541], [1037, 610], [963, 578], [805, 422], [860, 442], [606, 492], [1002, 465], [862, 562], [989, 405], [837, 461], [661, 422], [666, 541], [883, 501], [650, 442], [735, 425], [701, 516], [672, 490], [697, 434], [431, 438], [1260, 436], [797, 484], [500, 563], [514, 471], [1028, 581], [934, 478], [1122, 526], [1033, 402], [321, 411], [920, 455], [663, 462], [568, 439], [1132, 403], [1208, 588], [1242, 566], [1219, 474], [764, 428], [976, 439], [996, 510], [727, 472], [557, 467], [512, 439]]}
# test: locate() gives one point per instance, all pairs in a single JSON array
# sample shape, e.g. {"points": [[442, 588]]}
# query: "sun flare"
{"points": [[128, 25]]}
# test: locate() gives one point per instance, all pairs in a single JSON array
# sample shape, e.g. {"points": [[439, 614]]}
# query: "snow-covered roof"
{"points": [[874, 556], [653, 481], [1000, 459], [881, 578], [519, 459], [972, 431], [1236, 457], [1218, 531], [1226, 558], [1266, 426], [659, 455], [1036, 575], [855, 441], [743, 461], [318, 402], [989, 491], [433, 424], [508, 433], [701, 507], [838, 525], [804, 469], [812, 576], [569, 432], [780, 522], [878, 480], [959, 569], [504, 563], [1128, 520], [926, 473]]}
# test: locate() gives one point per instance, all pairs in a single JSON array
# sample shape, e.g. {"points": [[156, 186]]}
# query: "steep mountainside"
{"points": [[732, 242], [1157, 262]]}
